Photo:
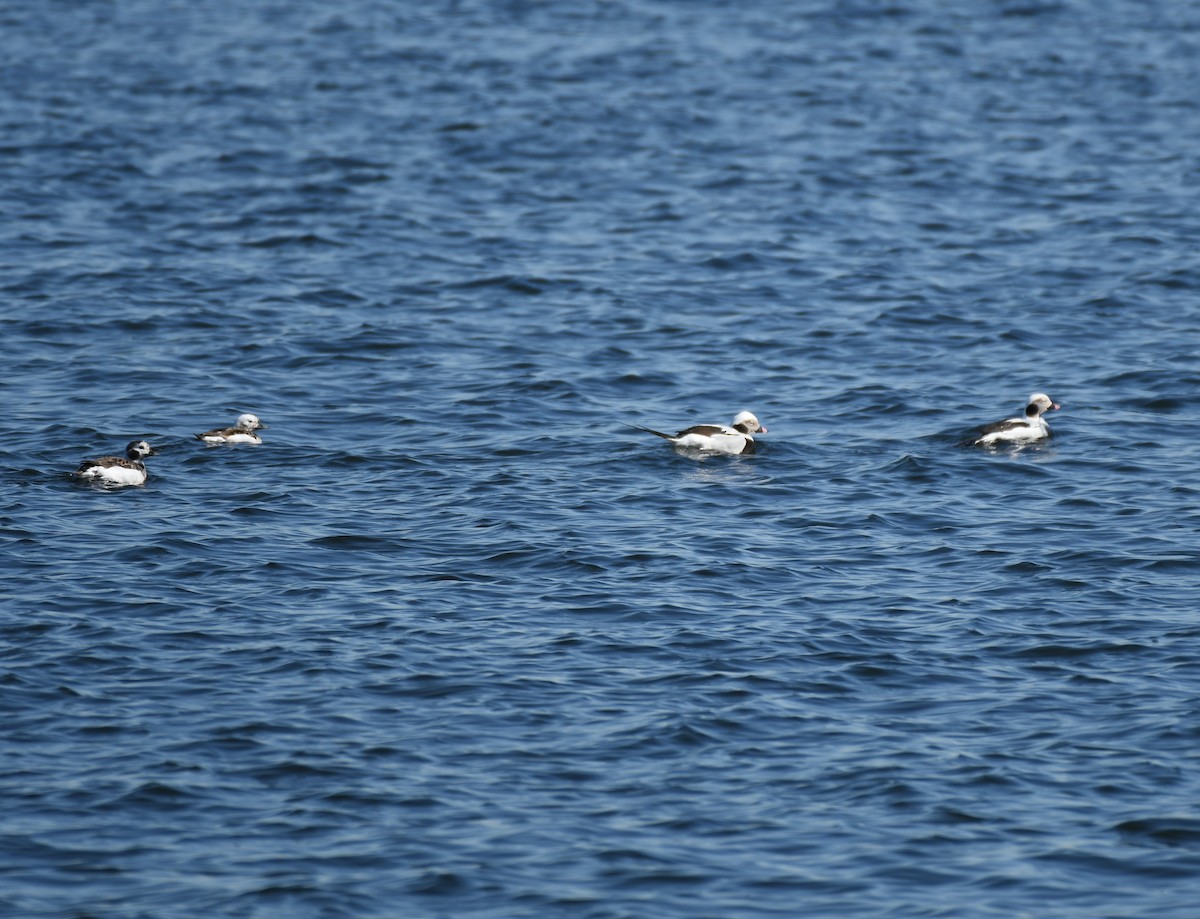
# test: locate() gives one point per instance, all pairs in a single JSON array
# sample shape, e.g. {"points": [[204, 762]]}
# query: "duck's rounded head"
{"points": [[248, 422], [1039, 402], [139, 448], [747, 423]]}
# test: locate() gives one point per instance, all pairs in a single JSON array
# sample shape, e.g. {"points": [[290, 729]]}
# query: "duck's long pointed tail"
{"points": [[638, 427]]}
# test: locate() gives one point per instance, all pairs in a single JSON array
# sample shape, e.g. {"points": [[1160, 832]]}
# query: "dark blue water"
{"points": [[455, 641]]}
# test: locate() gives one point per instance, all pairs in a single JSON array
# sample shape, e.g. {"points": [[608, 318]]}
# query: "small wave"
{"points": [[1167, 832], [287, 240]]}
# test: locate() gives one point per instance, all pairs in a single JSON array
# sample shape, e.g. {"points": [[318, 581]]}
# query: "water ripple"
{"points": [[455, 640]]}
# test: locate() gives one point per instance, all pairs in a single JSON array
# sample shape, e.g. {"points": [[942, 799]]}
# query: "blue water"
{"points": [[457, 642]]}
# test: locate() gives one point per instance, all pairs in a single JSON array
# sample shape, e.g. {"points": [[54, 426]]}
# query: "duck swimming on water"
{"points": [[1028, 429], [117, 470], [716, 438], [241, 433]]}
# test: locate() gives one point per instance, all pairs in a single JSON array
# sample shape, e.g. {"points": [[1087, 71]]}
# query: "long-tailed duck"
{"points": [[1030, 428], [716, 438], [116, 470], [241, 433]]}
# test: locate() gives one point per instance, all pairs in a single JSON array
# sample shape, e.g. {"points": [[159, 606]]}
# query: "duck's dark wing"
{"points": [[1011, 424], [218, 432], [706, 430], [104, 462]]}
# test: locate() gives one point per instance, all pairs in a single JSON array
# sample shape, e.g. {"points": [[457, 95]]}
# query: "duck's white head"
{"points": [[1039, 402], [747, 423], [249, 423], [139, 448]]}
